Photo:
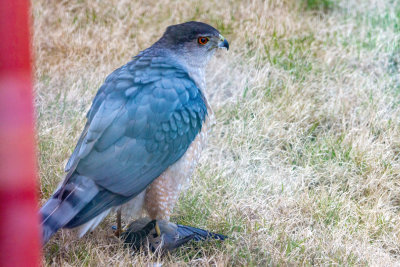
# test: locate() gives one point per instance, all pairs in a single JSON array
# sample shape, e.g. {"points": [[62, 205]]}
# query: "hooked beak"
{"points": [[223, 42]]}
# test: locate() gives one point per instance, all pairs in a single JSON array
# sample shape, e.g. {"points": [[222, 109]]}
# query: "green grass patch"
{"points": [[320, 5]]}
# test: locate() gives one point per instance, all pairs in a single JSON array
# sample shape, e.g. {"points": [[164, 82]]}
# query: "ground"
{"points": [[302, 167]]}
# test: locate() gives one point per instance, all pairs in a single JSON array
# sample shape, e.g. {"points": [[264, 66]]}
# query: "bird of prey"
{"points": [[144, 134]]}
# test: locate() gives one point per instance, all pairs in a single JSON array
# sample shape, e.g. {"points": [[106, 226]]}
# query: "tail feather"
{"points": [[103, 201], [65, 204], [198, 234]]}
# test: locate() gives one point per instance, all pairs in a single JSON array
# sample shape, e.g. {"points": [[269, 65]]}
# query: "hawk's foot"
{"points": [[136, 234]]}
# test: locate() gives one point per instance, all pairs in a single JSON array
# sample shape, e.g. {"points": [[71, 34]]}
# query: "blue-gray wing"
{"points": [[142, 120]]}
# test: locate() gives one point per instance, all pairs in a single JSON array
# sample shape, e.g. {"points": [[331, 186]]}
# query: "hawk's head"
{"points": [[194, 41]]}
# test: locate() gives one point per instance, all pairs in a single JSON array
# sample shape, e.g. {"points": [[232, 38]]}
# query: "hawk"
{"points": [[143, 137]]}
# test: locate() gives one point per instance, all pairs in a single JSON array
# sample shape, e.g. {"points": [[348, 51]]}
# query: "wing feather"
{"points": [[142, 120]]}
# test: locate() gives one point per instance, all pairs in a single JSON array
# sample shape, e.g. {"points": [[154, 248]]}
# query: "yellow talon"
{"points": [[157, 229]]}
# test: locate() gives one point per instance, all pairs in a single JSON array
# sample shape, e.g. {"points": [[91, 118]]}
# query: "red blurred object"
{"points": [[19, 220]]}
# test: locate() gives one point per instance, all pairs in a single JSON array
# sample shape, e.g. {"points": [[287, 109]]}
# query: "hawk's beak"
{"points": [[223, 42]]}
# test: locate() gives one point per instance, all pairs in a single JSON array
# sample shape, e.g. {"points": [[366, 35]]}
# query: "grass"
{"points": [[302, 166], [319, 5]]}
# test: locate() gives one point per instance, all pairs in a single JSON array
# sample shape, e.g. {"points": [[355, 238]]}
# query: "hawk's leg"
{"points": [[161, 197], [119, 225]]}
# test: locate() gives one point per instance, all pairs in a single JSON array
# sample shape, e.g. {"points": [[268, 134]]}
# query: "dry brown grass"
{"points": [[303, 164]]}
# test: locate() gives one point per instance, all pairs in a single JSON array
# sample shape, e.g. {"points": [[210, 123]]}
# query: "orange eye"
{"points": [[202, 40]]}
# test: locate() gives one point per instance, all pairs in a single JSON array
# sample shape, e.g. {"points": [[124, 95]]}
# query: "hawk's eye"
{"points": [[202, 40]]}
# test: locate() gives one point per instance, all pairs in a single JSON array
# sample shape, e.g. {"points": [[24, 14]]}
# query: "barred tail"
{"points": [[65, 204], [197, 233]]}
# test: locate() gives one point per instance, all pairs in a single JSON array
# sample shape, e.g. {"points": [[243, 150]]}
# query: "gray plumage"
{"points": [[142, 120]]}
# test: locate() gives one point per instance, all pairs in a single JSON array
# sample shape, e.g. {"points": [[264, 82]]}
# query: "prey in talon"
{"points": [[161, 235], [143, 138]]}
